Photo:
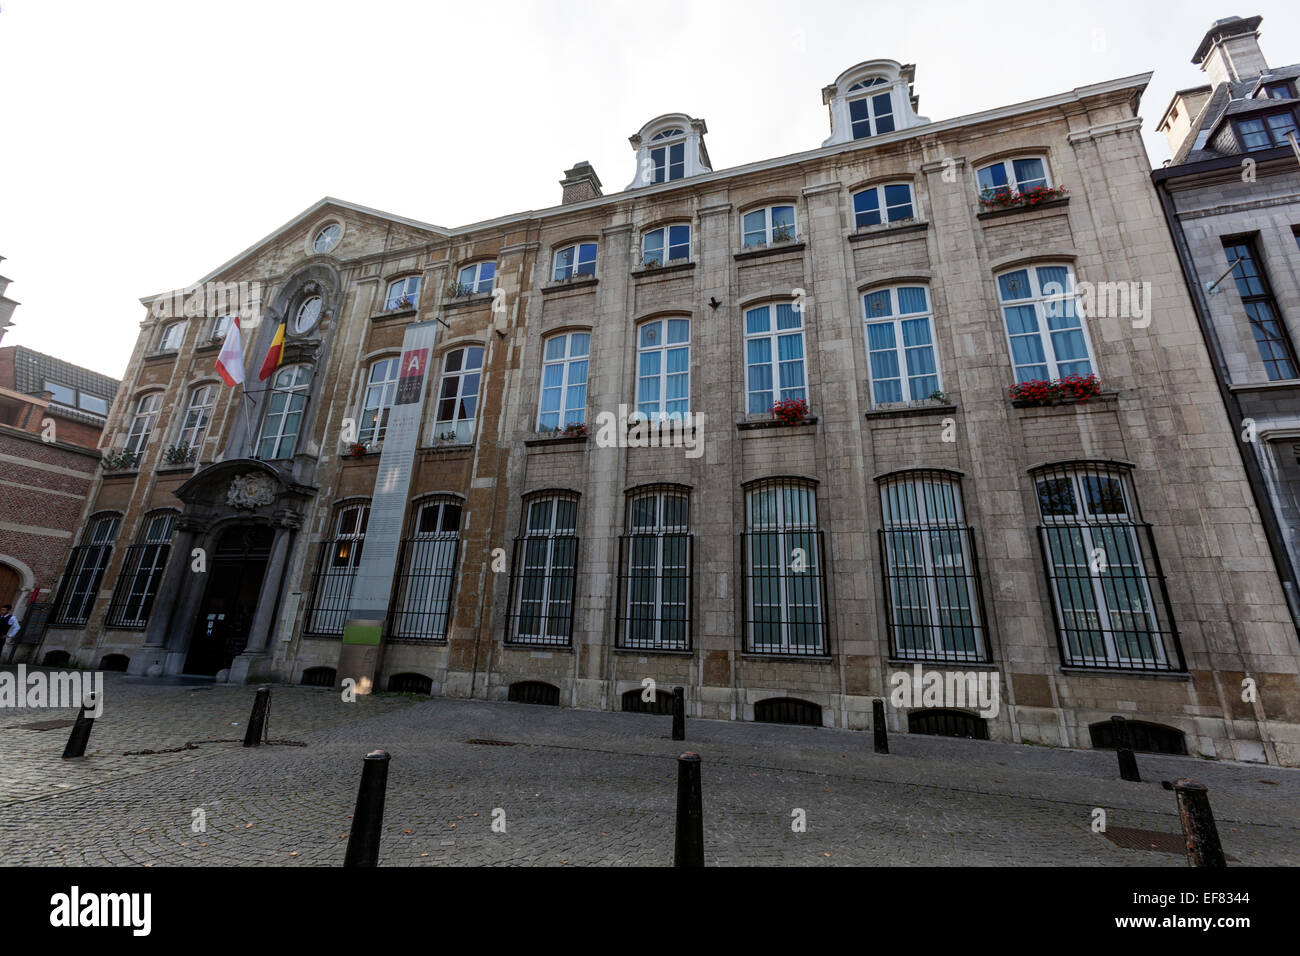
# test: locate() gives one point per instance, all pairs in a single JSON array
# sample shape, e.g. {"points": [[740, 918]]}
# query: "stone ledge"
{"points": [[561, 440], [1016, 210], [573, 284], [467, 302], [1122, 672], [646, 651], [449, 449], [536, 648], [396, 314], [888, 230], [763, 251], [1105, 398], [765, 424], [785, 659], [158, 358], [944, 665], [911, 411], [673, 267]]}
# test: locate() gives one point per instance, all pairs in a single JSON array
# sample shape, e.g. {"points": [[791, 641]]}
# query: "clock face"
{"points": [[327, 238], [308, 315]]}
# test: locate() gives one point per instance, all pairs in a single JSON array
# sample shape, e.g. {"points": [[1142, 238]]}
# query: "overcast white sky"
{"points": [[145, 143]]}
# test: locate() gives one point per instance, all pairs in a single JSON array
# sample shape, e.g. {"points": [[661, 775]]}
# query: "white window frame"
{"points": [[477, 280], [407, 288], [1041, 304], [768, 230], [873, 115], [172, 337], [147, 409], [373, 418], [664, 142], [280, 434], [900, 350], [882, 208], [656, 529], [551, 534], [430, 556], [220, 326], [198, 429], [567, 361], [660, 413], [774, 363], [298, 327], [462, 427], [784, 527], [665, 257], [1008, 165], [560, 273]]}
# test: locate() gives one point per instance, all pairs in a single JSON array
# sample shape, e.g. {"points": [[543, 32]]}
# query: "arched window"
{"points": [[428, 572], [142, 423], [284, 412], [1108, 595], [655, 563], [336, 567], [564, 381], [668, 155], [85, 570], [462, 370], [381, 389], [928, 556], [870, 114], [785, 584], [402, 294], [663, 370], [1045, 330], [475, 278], [875, 205], [142, 571], [762, 227], [999, 180], [666, 244], [198, 414], [774, 356], [307, 314], [171, 338], [543, 571], [900, 345], [575, 260]]}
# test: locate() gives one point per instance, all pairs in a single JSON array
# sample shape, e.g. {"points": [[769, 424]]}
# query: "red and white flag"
{"points": [[230, 363]]}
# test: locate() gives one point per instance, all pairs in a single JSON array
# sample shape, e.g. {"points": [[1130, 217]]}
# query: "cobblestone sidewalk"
{"points": [[580, 788]]}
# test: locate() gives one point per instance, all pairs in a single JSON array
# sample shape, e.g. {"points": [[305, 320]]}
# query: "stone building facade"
{"points": [[1082, 558]]}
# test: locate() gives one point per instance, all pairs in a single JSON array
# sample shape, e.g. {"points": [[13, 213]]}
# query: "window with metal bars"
{"points": [[426, 575], [336, 568], [85, 571], [655, 571], [1108, 591], [931, 572], [785, 584], [141, 573], [543, 572], [1275, 349]]}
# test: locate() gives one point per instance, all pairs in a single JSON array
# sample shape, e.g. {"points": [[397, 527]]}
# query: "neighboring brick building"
{"points": [[1231, 194], [51, 417], [1092, 557]]}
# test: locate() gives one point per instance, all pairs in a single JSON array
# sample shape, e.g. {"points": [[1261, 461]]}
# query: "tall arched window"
{"points": [[462, 370], [928, 555], [381, 389], [543, 572], [427, 578], [663, 368], [655, 571], [198, 414], [564, 381], [142, 423], [1109, 597], [142, 571], [336, 567], [85, 571], [402, 294], [900, 344], [785, 585], [774, 356], [1045, 332], [284, 412]]}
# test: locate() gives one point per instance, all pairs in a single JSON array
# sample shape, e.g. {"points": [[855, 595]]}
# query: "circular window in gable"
{"points": [[327, 238], [308, 314]]}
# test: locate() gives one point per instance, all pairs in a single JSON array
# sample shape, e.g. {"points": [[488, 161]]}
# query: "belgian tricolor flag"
{"points": [[273, 354]]}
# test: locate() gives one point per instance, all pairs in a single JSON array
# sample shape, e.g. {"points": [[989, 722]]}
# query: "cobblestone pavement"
{"points": [[579, 788]]}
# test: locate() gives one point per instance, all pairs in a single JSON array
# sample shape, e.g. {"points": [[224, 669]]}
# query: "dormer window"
{"points": [[667, 244], [870, 114], [1283, 90], [669, 148], [575, 260], [871, 99], [1267, 131]]}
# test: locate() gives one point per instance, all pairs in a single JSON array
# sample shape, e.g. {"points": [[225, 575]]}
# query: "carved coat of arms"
{"points": [[250, 491]]}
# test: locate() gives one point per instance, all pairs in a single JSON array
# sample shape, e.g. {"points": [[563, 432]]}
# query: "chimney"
{"points": [[1183, 111], [580, 183], [1230, 52]]}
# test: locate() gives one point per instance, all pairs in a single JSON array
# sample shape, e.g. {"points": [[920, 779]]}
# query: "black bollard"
{"points": [[878, 724], [368, 819], [1202, 836], [1128, 765], [679, 713], [80, 735], [689, 848], [257, 722]]}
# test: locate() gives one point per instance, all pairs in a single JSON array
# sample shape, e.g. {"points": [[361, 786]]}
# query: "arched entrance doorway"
{"points": [[10, 584], [235, 571]]}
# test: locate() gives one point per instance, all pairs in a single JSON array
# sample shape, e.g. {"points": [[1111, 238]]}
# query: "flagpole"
{"points": [[248, 426]]}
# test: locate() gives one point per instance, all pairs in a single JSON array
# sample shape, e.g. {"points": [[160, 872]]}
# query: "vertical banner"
{"points": [[368, 605]]}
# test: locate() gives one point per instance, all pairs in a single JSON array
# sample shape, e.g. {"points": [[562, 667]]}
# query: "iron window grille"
{"points": [[785, 583], [1109, 598], [84, 572], [1274, 345], [426, 578], [656, 572], [141, 574], [543, 573], [336, 568], [929, 564]]}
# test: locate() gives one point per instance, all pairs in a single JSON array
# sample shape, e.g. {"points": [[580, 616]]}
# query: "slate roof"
{"points": [[1230, 99]]}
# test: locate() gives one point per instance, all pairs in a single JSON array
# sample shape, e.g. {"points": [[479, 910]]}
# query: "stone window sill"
{"points": [[1017, 210], [890, 229], [912, 411], [651, 652], [1118, 672], [588, 282], [560, 440], [395, 314], [177, 469], [759, 252], [467, 301], [1103, 398], [157, 358], [670, 269], [543, 648], [763, 424], [939, 663], [787, 658], [121, 474]]}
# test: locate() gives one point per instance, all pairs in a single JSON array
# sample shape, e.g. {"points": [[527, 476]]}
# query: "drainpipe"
{"points": [[1286, 571]]}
